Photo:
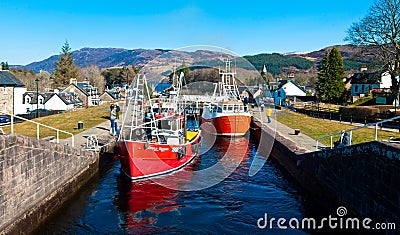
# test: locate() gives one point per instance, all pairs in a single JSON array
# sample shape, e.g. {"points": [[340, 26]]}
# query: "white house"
{"points": [[11, 92], [287, 89], [364, 82], [29, 101], [63, 101]]}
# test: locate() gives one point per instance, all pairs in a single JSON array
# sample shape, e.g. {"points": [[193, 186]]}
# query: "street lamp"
{"points": [[37, 97]]}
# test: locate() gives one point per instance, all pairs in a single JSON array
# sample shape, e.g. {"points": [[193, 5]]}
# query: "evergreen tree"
{"points": [[330, 86], [336, 74], [66, 69], [5, 65], [323, 78]]}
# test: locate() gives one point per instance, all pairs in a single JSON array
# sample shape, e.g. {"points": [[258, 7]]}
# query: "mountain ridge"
{"points": [[119, 57]]}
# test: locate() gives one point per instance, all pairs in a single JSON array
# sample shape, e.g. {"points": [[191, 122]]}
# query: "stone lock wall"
{"points": [[33, 175], [365, 178]]}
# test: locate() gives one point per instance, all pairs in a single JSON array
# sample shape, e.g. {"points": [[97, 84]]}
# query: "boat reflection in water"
{"points": [[145, 205], [141, 203]]}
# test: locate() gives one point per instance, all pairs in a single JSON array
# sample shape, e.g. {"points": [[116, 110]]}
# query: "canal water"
{"points": [[111, 204]]}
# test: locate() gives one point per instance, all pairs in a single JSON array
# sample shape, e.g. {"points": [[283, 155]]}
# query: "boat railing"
{"points": [[375, 125], [38, 125]]}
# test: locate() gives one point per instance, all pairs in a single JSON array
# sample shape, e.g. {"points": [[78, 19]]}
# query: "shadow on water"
{"points": [[111, 204]]}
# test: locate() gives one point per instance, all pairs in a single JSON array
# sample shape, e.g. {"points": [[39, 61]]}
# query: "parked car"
{"points": [[4, 119], [39, 111]]}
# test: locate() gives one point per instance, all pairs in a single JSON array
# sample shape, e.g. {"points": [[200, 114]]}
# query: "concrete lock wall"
{"points": [[364, 178], [36, 177]]}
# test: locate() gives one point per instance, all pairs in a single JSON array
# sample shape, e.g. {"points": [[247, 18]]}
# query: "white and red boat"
{"points": [[228, 115], [154, 144]]}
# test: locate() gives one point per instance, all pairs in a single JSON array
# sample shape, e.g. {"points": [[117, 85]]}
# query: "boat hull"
{"points": [[232, 125], [142, 160]]}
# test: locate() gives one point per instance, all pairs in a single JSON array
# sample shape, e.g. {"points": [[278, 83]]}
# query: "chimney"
{"points": [[290, 76], [73, 81], [364, 68]]}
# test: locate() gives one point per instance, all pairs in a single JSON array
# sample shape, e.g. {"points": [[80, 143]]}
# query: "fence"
{"points": [[38, 125], [333, 114], [376, 125]]}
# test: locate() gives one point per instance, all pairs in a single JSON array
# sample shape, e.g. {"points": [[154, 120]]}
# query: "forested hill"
{"points": [[276, 63]]}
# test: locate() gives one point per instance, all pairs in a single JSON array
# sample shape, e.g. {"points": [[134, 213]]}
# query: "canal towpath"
{"points": [[302, 141]]}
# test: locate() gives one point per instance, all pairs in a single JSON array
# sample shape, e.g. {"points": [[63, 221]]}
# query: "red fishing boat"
{"points": [[229, 115], [154, 144]]}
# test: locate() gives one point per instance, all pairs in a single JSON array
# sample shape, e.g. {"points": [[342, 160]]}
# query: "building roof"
{"points": [[284, 82], [32, 94], [366, 78], [8, 79], [69, 98], [84, 87]]}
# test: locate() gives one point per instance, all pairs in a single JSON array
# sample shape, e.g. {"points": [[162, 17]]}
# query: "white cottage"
{"points": [[63, 101], [287, 89]]}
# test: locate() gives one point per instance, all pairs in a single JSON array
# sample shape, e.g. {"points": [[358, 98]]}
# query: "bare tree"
{"points": [[44, 81], [93, 74], [381, 29]]}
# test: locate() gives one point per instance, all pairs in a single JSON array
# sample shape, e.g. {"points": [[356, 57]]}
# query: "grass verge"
{"points": [[90, 117], [316, 128]]}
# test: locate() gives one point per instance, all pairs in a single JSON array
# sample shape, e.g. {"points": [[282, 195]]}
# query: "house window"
{"points": [[279, 93], [356, 88], [362, 88]]}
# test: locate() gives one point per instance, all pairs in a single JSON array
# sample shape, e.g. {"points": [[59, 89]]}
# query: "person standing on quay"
{"points": [[269, 112], [114, 125]]}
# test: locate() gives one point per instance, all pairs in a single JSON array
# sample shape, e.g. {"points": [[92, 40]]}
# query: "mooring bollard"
{"points": [[296, 131]]}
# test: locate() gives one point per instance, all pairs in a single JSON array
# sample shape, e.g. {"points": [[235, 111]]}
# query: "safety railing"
{"points": [[38, 125], [375, 125]]}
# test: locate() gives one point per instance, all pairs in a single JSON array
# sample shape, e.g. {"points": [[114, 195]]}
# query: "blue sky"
{"points": [[34, 30]]}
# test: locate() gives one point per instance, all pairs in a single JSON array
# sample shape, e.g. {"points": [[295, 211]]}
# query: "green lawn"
{"points": [[66, 121], [316, 128]]}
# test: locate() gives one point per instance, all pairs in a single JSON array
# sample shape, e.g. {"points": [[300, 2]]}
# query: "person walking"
{"points": [[269, 112]]}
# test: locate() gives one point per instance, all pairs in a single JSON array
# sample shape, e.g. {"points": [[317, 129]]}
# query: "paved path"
{"points": [[302, 140], [101, 131]]}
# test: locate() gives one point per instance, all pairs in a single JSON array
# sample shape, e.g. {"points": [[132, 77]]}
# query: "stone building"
{"points": [[11, 93]]}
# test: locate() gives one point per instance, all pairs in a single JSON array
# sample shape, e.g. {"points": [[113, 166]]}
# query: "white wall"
{"points": [[386, 80], [55, 103], [292, 90], [19, 106]]}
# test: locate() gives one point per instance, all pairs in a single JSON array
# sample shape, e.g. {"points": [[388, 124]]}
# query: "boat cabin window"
{"points": [[219, 109], [155, 110], [230, 107], [172, 125], [225, 108]]}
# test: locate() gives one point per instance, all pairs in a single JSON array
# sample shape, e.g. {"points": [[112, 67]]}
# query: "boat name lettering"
{"points": [[161, 149]]}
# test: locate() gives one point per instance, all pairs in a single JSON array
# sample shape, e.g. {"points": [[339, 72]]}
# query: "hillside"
{"points": [[304, 65]]}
